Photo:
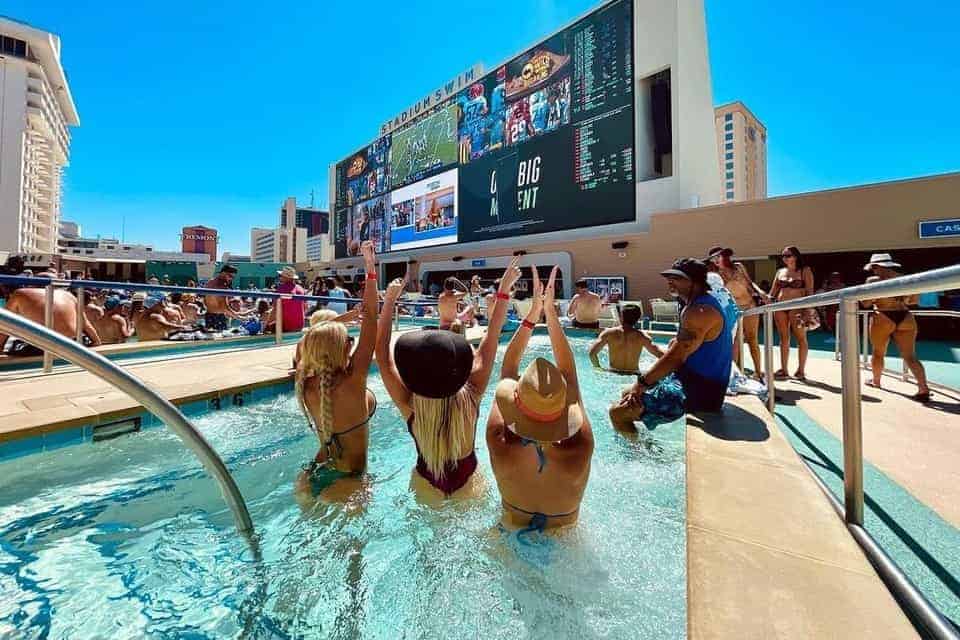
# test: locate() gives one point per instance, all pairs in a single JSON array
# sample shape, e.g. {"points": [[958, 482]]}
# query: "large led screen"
{"points": [[542, 143]]}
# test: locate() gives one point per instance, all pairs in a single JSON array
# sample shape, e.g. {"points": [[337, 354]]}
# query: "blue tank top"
{"points": [[714, 358]]}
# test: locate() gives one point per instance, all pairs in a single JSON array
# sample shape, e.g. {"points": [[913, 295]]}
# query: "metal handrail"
{"points": [[848, 315], [99, 366]]}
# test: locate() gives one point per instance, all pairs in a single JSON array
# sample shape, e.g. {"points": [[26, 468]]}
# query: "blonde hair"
{"points": [[324, 355], [322, 315], [443, 428]]}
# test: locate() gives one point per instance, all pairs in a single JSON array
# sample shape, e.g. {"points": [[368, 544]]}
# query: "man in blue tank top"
{"points": [[700, 357]]}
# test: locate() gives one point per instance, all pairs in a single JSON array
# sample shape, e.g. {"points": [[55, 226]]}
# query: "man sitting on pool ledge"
{"points": [[700, 356], [625, 343], [585, 307]]}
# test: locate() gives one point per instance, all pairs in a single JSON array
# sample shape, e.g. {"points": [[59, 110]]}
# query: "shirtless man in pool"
{"points": [[624, 343], [448, 304], [585, 307], [30, 303]]}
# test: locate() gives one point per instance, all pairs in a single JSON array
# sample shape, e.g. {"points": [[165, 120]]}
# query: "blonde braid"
{"points": [[327, 375]]}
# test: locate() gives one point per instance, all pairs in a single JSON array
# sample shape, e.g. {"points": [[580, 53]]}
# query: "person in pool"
{"points": [[113, 327], [331, 388], [541, 486], [448, 304], [892, 319], [585, 307], [700, 357], [153, 323], [624, 343], [436, 380]]}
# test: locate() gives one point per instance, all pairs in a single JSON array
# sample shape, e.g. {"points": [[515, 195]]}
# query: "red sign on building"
{"points": [[199, 240]]}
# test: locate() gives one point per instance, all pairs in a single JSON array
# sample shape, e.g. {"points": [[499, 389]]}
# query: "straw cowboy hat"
{"points": [[881, 260], [288, 272], [537, 406]]}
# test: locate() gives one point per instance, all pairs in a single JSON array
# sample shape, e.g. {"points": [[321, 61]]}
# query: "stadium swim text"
{"points": [[433, 99]]}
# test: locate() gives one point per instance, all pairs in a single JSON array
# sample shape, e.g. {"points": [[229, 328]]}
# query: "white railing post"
{"points": [[396, 315], [738, 344], [768, 360], [48, 323], [852, 429], [81, 306], [836, 336], [864, 338], [278, 318]]}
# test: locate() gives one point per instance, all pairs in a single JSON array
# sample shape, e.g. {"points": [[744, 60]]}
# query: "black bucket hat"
{"points": [[433, 363]]}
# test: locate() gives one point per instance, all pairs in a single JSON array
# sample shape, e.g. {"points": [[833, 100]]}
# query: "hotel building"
{"points": [[36, 111], [742, 147]]}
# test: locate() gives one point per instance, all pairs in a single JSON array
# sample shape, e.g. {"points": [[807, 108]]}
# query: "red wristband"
{"points": [[502, 296], [371, 276], [526, 323]]}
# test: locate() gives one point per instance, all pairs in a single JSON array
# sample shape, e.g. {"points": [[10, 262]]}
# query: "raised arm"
{"points": [[558, 339], [487, 351], [518, 344], [388, 369], [572, 307], [363, 354]]}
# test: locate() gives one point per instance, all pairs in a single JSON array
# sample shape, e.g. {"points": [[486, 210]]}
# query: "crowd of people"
{"points": [[539, 435]]}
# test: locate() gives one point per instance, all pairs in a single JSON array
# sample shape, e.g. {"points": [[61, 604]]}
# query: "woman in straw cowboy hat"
{"points": [[541, 485], [436, 380], [892, 319], [331, 387]]}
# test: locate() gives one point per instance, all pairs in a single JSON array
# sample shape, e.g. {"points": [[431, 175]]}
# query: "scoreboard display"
{"points": [[542, 143]]}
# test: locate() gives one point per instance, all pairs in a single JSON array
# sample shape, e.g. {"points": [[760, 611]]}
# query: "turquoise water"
{"points": [[128, 539]]}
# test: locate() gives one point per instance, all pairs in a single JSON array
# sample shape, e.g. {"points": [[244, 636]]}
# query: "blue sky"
{"points": [[213, 112]]}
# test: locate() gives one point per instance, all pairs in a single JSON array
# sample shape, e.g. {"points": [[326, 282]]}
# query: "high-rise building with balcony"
{"points": [[742, 144], [36, 110]]}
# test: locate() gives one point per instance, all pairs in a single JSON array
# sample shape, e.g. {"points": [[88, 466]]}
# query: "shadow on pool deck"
{"points": [[737, 425]]}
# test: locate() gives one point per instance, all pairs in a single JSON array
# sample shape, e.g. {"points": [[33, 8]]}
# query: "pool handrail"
{"points": [[166, 411], [921, 611]]}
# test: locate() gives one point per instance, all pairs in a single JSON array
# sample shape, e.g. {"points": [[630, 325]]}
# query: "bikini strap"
{"points": [[538, 520], [541, 456], [335, 437]]}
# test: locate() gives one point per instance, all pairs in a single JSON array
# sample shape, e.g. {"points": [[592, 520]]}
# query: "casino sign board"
{"points": [[948, 228]]}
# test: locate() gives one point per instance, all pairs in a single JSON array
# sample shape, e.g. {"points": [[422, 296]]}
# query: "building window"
{"points": [[729, 184], [728, 146], [13, 46], [728, 117], [729, 175], [752, 133], [729, 166], [728, 155], [728, 126], [729, 195], [728, 137]]}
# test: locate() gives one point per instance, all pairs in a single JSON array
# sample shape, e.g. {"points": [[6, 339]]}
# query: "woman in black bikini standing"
{"points": [[793, 281], [892, 319]]}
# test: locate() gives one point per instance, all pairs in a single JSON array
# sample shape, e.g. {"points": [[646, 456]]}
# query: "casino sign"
{"points": [[948, 228]]}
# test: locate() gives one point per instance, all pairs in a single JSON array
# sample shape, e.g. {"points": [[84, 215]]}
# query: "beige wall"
{"points": [[872, 218]]}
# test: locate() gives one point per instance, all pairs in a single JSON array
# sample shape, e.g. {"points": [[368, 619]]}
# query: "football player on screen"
{"points": [[519, 123]]}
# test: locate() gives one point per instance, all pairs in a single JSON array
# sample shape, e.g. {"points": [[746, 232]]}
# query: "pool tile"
{"points": [[22, 447], [64, 438], [194, 409]]}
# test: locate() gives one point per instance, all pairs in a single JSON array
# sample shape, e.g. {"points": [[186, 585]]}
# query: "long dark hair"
{"points": [[796, 252]]}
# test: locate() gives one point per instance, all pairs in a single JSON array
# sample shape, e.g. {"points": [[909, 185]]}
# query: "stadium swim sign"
{"points": [[433, 99]]}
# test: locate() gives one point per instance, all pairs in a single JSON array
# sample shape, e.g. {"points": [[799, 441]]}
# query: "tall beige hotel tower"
{"points": [[742, 143], [36, 110]]}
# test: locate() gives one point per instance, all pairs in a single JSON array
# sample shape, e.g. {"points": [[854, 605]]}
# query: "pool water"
{"points": [[128, 538]]}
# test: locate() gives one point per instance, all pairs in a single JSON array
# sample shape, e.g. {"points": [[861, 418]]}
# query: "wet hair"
{"points": [[580, 284], [442, 428], [630, 315], [176, 297], [449, 284], [324, 355], [330, 283], [796, 253]]}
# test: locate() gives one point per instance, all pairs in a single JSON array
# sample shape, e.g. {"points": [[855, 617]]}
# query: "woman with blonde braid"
{"points": [[327, 370]]}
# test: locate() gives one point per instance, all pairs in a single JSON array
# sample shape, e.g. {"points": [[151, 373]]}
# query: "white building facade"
{"points": [[36, 110], [278, 245], [111, 248]]}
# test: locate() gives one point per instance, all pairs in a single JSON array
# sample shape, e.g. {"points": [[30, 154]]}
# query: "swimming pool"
{"points": [[128, 538]]}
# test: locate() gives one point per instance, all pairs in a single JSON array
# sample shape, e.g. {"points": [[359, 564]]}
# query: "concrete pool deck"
{"points": [[767, 556]]}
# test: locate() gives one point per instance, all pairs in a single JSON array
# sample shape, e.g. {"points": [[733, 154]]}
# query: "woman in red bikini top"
{"points": [[436, 380]]}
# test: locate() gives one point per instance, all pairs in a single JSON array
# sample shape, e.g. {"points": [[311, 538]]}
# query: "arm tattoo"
{"points": [[685, 335]]}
